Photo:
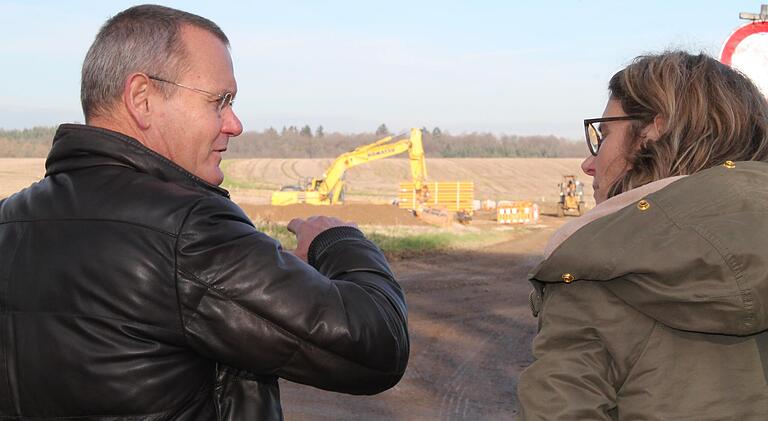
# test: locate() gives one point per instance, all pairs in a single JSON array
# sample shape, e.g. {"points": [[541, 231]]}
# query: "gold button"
{"points": [[568, 278], [643, 205], [730, 165]]}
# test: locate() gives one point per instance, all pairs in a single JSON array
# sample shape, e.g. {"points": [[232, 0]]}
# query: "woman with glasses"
{"points": [[654, 305]]}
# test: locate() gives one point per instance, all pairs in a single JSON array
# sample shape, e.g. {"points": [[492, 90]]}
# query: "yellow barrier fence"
{"points": [[452, 196], [522, 212]]}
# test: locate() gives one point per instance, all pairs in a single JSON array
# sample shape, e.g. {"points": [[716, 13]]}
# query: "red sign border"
{"points": [[737, 36]]}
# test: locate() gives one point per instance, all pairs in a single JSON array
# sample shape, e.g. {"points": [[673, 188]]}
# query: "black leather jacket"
{"points": [[131, 289]]}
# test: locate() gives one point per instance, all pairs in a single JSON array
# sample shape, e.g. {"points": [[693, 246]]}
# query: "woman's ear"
{"points": [[652, 132]]}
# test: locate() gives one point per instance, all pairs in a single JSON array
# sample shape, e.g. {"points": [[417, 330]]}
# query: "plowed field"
{"points": [[252, 180], [17, 173]]}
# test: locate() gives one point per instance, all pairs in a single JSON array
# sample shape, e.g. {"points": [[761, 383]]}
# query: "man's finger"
{"points": [[294, 225]]}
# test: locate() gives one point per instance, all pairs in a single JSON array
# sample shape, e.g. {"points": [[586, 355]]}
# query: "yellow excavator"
{"points": [[329, 189]]}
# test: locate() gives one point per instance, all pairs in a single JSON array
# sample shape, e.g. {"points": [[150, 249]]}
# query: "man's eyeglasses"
{"points": [[224, 100], [593, 133]]}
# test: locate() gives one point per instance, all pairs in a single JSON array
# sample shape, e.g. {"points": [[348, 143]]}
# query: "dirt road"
{"points": [[471, 331]]}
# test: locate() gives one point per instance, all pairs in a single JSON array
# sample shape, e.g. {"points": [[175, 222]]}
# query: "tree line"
{"points": [[306, 142]]}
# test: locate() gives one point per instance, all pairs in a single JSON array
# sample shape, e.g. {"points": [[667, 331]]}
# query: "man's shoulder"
{"points": [[111, 193], [184, 205], [166, 202]]}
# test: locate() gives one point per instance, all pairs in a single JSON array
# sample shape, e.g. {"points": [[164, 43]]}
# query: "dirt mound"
{"points": [[362, 214]]}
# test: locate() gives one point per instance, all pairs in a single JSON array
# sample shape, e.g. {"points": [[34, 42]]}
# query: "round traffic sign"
{"points": [[747, 50]]}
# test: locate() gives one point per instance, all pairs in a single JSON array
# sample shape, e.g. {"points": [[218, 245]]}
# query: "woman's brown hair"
{"points": [[708, 113]]}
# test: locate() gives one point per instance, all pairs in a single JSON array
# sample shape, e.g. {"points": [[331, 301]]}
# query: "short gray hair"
{"points": [[144, 39]]}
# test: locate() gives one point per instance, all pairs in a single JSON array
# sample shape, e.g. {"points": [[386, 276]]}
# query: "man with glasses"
{"points": [[131, 286]]}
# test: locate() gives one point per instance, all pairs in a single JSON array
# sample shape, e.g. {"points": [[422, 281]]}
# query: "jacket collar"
{"points": [[77, 146], [609, 206], [689, 255]]}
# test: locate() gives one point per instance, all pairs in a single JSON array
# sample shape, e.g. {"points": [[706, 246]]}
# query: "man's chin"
{"points": [[214, 176], [218, 179]]}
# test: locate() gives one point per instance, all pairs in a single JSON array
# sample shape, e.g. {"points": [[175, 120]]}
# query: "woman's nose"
{"points": [[588, 166]]}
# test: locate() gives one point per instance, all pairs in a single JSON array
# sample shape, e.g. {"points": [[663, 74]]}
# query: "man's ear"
{"points": [[136, 99]]}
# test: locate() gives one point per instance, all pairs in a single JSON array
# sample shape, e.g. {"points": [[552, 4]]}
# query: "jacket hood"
{"points": [[692, 255], [78, 146]]}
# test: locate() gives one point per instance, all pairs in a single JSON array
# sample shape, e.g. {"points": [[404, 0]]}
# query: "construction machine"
{"points": [[571, 196], [329, 188]]}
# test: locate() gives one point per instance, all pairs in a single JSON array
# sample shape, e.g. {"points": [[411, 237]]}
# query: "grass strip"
{"points": [[402, 242], [411, 244]]}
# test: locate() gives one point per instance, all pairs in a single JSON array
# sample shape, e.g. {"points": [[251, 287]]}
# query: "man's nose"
{"points": [[232, 125], [588, 166]]}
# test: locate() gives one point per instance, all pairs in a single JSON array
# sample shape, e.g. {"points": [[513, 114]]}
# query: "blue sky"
{"points": [[499, 66]]}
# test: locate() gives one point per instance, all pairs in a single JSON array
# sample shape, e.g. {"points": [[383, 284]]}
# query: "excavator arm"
{"points": [[417, 159]]}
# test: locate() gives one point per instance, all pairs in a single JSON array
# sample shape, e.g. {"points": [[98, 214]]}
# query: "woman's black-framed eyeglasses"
{"points": [[595, 136]]}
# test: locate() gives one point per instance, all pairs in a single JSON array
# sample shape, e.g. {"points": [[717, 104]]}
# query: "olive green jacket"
{"points": [[659, 310]]}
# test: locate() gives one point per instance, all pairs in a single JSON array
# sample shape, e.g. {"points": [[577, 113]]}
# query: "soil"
{"points": [[471, 330], [362, 214]]}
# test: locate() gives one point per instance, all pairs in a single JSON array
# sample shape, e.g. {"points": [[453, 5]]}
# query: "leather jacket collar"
{"points": [[77, 146]]}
